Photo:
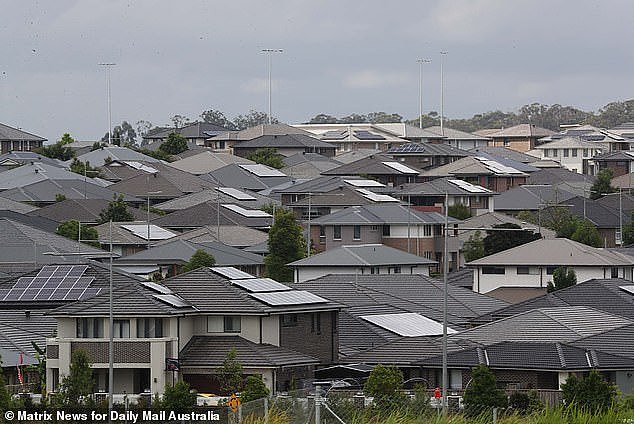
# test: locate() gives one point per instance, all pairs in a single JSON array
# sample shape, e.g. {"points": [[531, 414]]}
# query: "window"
{"points": [[395, 270], [357, 232], [89, 328], [506, 142], [523, 270], [322, 231], [121, 328], [585, 153], [386, 231], [147, 328], [427, 230], [565, 153], [289, 320], [615, 272], [336, 232], [554, 153], [374, 228], [493, 270], [546, 152], [428, 254], [551, 269], [574, 153], [232, 324], [315, 323]]}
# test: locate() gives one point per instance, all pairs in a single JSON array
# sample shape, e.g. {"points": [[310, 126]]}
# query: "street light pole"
{"points": [[444, 309], [269, 53], [111, 334], [442, 92], [107, 67], [308, 238], [420, 90]]}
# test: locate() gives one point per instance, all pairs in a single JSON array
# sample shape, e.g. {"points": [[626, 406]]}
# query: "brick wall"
{"points": [[124, 352], [301, 337]]}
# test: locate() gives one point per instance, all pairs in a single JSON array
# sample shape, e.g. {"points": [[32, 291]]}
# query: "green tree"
{"points": [[59, 197], [117, 211], [459, 211], [603, 184], [474, 247], [323, 118], [79, 383], [40, 367], [178, 398], [216, 117], [286, 244], [174, 144], [70, 229], [179, 121], [156, 154], [525, 403], [560, 220], [59, 150], [254, 388], [498, 240], [97, 145], [385, 384], [591, 393], [84, 168], [199, 259], [252, 119], [230, 373], [483, 393], [268, 157], [587, 233], [562, 278], [628, 231]]}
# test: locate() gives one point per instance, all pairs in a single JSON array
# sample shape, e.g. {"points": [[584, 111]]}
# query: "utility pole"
{"points": [[442, 92], [269, 53], [420, 90], [107, 67]]}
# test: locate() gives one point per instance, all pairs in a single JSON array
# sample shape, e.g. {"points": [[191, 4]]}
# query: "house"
{"points": [[17, 207], [196, 133], [14, 159], [285, 145], [308, 165], [426, 155], [430, 196], [360, 259], [245, 198], [14, 139], [533, 264], [532, 198], [35, 172], [381, 168], [505, 153], [459, 139], [573, 153], [626, 130], [605, 140], [298, 190], [391, 224], [105, 154], [277, 332], [620, 162], [225, 141], [127, 238], [232, 235], [624, 182], [521, 137], [86, 211], [562, 179], [254, 177], [479, 170], [207, 161]]}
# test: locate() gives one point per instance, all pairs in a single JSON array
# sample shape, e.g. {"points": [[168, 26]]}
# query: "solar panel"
{"points": [[497, 167], [141, 230], [22, 282], [376, 197], [88, 293], [141, 167], [77, 271], [367, 135], [400, 167], [235, 193], [249, 213], [172, 299], [156, 287], [28, 294], [231, 273], [407, 324], [260, 285], [74, 294], [59, 294], [629, 289], [471, 188], [262, 170], [364, 183], [51, 283], [289, 297]]}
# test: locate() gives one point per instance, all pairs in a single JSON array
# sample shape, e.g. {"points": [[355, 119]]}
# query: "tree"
{"points": [[199, 259], [124, 135], [117, 211], [483, 393], [323, 119], [254, 388], [79, 383], [156, 154], [591, 393], [174, 144], [459, 211], [587, 233], [59, 150], [59, 197], [562, 278], [40, 367], [474, 247], [286, 244], [497, 241], [252, 119], [96, 146], [383, 118], [230, 373], [385, 384], [142, 128], [179, 121], [628, 231], [603, 184], [70, 229], [83, 168], [178, 398], [216, 117], [268, 157], [559, 219]]}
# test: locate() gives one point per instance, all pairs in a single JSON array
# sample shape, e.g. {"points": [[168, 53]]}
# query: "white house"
{"points": [[572, 153], [531, 265]]}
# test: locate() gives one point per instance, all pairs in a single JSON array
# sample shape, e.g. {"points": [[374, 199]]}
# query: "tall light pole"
{"points": [[442, 92], [107, 67], [445, 270], [420, 90], [269, 53]]}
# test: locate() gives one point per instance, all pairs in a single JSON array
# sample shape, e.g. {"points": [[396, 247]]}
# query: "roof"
{"points": [[530, 197], [245, 198], [568, 142], [600, 215], [357, 132], [180, 251], [239, 177], [18, 331], [260, 130], [626, 129], [99, 157], [231, 235], [211, 351], [403, 130], [345, 195], [618, 341], [374, 165], [15, 158], [555, 252], [473, 165], [361, 255], [442, 186], [354, 155], [123, 236], [82, 210], [516, 294], [207, 161], [14, 134], [308, 170], [327, 183], [505, 153], [193, 130], [587, 133], [46, 191], [32, 173], [378, 214], [554, 176], [490, 219], [284, 141], [426, 149], [307, 157], [623, 181], [206, 213], [521, 130], [452, 134], [11, 205], [619, 155]]}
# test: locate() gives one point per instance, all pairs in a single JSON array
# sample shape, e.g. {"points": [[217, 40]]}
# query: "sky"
{"points": [[339, 57]]}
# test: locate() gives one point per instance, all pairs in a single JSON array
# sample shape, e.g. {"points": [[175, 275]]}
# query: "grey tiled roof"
{"points": [[98, 157], [211, 351], [18, 331], [600, 215], [427, 149], [283, 141], [371, 165], [362, 255], [211, 195], [10, 133], [206, 161], [618, 341], [205, 214], [437, 187], [530, 197], [22, 158], [232, 235], [299, 158], [451, 134], [32, 173], [259, 130], [378, 214], [490, 219], [236, 177], [505, 153], [45, 191], [83, 210], [11, 205]]}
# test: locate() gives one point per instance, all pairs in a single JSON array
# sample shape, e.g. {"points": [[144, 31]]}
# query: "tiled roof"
{"points": [[378, 214], [14, 134], [373, 165], [211, 195], [451, 134], [46, 191], [206, 161], [83, 210], [530, 197], [362, 255], [232, 235], [505, 153], [426, 149], [283, 141], [206, 214], [522, 130]]}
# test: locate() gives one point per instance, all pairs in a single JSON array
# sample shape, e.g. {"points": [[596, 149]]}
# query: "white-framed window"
{"points": [[336, 232], [89, 328], [574, 153], [554, 153], [356, 232], [121, 328], [566, 153], [224, 324], [147, 328]]}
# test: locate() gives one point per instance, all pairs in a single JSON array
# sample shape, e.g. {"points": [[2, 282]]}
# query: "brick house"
{"points": [[14, 139]]}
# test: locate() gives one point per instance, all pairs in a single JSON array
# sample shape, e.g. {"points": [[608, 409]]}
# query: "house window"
{"points": [[427, 230], [374, 228], [554, 153], [500, 270], [428, 254], [574, 153], [523, 270], [565, 153], [121, 328], [357, 232], [89, 328], [585, 153], [615, 272], [315, 323], [550, 270], [289, 320], [546, 152], [148, 328], [232, 324], [395, 270], [386, 231], [336, 232]]}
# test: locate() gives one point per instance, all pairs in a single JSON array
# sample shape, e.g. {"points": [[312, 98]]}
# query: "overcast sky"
{"points": [[340, 57]]}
